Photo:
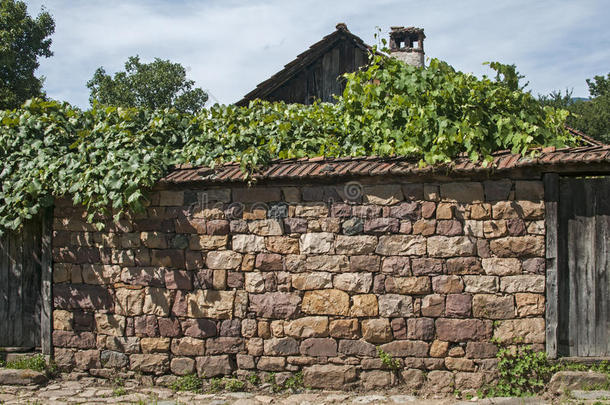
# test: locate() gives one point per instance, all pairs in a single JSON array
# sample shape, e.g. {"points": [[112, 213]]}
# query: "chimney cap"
{"points": [[341, 26], [408, 30]]}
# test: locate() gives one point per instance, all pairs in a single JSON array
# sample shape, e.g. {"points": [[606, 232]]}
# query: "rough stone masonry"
{"points": [[311, 278]]}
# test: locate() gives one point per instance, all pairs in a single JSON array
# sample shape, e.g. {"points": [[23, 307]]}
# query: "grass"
{"points": [[36, 363], [189, 382]]}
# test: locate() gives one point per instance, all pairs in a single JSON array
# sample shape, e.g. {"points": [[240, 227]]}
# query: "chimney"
{"points": [[407, 45]]}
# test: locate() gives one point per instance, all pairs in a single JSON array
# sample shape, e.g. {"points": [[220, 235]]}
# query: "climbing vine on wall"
{"points": [[105, 158]]}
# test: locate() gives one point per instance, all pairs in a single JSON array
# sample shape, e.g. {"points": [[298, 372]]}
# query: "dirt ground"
{"points": [[99, 391]]}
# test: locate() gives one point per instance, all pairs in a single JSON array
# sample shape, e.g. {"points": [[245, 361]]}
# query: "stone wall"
{"points": [[311, 278]]}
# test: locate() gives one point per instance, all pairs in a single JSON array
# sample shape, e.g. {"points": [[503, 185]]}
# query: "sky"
{"points": [[229, 46]]}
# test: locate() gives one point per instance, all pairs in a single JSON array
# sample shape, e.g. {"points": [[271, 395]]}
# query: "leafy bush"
{"points": [[522, 372], [189, 382], [107, 157], [36, 363]]}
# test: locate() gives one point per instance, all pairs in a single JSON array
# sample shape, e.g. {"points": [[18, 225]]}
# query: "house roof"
{"points": [[293, 68], [547, 159]]}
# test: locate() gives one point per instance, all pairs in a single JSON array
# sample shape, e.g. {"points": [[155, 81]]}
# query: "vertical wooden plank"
{"points": [[46, 318], [15, 291], [602, 267], [585, 270], [326, 76], [4, 289], [551, 197]]}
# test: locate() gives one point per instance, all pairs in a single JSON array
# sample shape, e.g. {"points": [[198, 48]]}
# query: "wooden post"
{"points": [[46, 288], [551, 201]]}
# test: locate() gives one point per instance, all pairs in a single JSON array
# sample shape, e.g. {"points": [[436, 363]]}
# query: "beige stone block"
{"points": [[326, 302]]}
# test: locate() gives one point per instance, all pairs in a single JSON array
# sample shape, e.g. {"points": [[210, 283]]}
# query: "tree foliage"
{"points": [[23, 40], [589, 116], [156, 85], [106, 158]]}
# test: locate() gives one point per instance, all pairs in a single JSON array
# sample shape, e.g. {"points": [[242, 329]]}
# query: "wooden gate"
{"points": [[25, 286], [583, 266]]}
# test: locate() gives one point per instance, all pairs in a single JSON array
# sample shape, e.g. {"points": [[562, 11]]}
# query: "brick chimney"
{"points": [[407, 45]]}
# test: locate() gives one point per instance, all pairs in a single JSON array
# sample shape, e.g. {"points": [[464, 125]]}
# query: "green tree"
{"points": [[589, 116], [23, 40], [156, 85]]}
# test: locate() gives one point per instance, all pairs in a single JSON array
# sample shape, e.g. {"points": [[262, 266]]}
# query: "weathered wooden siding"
{"points": [[320, 79], [584, 266], [20, 286]]}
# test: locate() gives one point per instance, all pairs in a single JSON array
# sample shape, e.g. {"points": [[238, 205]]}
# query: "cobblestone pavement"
{"points": [[92, 391]]}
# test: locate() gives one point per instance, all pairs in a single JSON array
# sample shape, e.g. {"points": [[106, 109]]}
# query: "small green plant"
{"points": [[215, 385], [189, 382], [388, 361], [119, 391], [270, 378], [233, 384], [36, 362], [254, 379], [522, 372], [294, 382]]}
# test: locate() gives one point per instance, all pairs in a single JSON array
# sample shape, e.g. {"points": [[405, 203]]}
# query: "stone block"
{"points": [[364, 305], [224, 345], [462, 192], [381, 225], [395, 305], [110, 324], [282, 244], [406, 348], [157, 301], [149, 363], [458, 305], [401, 245], [328, 376], [529, 304], [397, 265], [451, 227], [464, 265], [481, 350], [433, 305], [214, 366], [87, 359], [182, 366], [307, 327], [209, 242], [344, 328], [199, 328], [462, 330], [365, 263], [355, 245], [275, 305], [481, 284], [318, 347], [408, 285], [281, 346], [376, 330], [210, 304], [447, 284], [497, 266], [113, 359], [316, 243], [62, 320], [154, 345], [266, 227], [492, 306], [66, 296], [450, 246], [529, 330], [273, 364], [353, 282], [532, 283], [358, 348], [420, 329], [326, 302]]}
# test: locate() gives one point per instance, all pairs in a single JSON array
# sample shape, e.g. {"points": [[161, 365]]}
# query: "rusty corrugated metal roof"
{"points": [[317, 168]]}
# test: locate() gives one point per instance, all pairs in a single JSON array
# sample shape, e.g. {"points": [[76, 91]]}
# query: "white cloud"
{"points": [[230, 46]]}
